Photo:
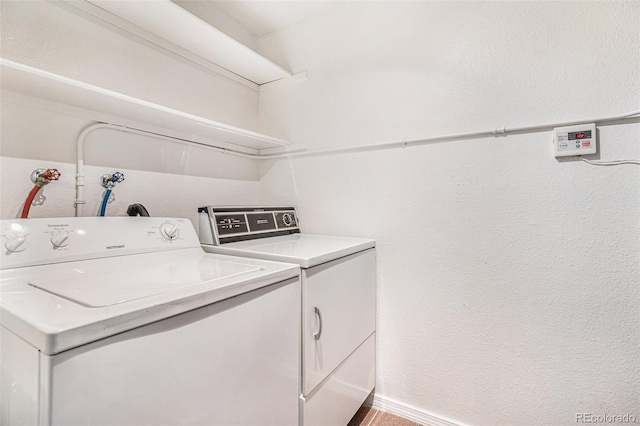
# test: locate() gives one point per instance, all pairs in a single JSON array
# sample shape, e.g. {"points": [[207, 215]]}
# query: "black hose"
{"points": [[137, 210]]}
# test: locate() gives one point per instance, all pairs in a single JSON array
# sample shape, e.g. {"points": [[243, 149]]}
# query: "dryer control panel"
{"points": [[30, 242], [219, 225]]}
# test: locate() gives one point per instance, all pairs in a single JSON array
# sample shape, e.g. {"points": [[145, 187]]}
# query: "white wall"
{"points": [[163, 194], [169, 179], [508, 281]]}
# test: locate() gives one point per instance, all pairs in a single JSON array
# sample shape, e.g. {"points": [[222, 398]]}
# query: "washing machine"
{"points": [[338, 302], [123, 321]]}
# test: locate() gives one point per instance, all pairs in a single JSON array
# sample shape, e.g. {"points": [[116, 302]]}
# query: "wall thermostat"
{"points": [[574, 140]]}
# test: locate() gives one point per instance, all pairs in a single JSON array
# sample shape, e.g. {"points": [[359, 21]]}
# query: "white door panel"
{"points": [[338, 312], [338, 398]]}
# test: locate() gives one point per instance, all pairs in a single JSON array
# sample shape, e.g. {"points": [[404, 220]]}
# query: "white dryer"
{"points": [[122, 321], [338, 301]]}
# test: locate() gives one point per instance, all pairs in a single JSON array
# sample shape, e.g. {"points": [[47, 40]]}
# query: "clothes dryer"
{"points": [[338, 301]]}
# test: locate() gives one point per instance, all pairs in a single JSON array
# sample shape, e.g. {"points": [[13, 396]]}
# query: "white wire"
{"points": [[610, 163]]}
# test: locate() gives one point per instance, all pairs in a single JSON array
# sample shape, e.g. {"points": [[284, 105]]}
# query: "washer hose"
{"points": [[109, 182], [137, 210], [40, 177], [105, 200], [27, 204]]}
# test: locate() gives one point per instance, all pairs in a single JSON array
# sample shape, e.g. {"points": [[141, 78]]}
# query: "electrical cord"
{"points": [[610, 163]]}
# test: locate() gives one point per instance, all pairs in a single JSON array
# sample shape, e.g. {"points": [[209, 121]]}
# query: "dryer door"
{"points": [[338, 313]]}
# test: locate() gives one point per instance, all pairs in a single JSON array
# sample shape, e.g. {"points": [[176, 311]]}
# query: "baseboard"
{"points": [[412, 413]]}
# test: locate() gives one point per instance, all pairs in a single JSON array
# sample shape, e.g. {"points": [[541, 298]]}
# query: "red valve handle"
{"points": [[52, 174]]}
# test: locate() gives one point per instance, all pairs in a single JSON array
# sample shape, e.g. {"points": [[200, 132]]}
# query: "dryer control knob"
{"points": [[169, 230], [60, 239], [286, 219], [16, 243]]}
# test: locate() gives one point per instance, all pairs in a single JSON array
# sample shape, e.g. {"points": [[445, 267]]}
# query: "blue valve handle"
{"points": [[117, 177]]}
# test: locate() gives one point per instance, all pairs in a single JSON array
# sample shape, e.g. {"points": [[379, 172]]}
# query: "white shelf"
{"points": [[124, 110], [170, 22]]}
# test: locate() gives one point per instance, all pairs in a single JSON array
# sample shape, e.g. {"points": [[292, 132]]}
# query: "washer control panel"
{"points": [[30, 242], [574, 140], [220, 225]]}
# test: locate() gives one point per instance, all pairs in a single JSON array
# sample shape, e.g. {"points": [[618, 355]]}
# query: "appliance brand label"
{"points": [[115, 247], [261, 221]]}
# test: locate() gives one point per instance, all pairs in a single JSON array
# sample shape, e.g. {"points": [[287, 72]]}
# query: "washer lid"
{"points": [[61, 306], [302, 249], [97, 286]]}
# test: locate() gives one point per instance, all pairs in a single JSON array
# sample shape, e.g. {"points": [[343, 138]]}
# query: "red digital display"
{"points": [[580, 135]]}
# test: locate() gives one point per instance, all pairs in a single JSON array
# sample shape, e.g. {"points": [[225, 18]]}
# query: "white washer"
{"points": [[128, 321], [338, 301]]}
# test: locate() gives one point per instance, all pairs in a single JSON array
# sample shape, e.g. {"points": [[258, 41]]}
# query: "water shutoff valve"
{"points": [[109, 181], [42, 177]]}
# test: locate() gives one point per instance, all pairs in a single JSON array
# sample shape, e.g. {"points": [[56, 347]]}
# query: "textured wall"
{"points": [[508, 281], [163, 194]]}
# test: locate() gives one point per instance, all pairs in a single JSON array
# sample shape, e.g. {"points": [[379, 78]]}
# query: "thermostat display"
{"points": [[574, 140], [580, 135]]}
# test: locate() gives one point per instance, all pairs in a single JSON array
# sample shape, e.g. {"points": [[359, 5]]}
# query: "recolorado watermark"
{"points": [[605, 418]]}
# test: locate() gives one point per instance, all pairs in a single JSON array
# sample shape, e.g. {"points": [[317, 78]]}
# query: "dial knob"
{"points": [[169, 230], [16, 243], [60, 239], [286, 219]]}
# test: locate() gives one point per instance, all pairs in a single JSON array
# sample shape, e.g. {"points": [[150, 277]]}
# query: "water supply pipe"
{"points": [[40, 177], [342, 150]]}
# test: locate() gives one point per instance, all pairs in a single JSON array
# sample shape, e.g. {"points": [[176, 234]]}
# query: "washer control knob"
{"points": [[60, 239], [169, 230], [16, 243], [287, 220]]}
